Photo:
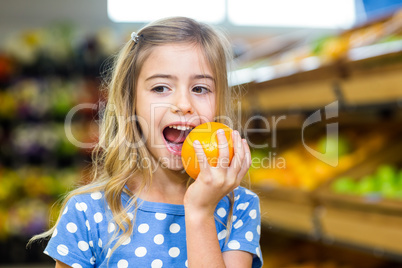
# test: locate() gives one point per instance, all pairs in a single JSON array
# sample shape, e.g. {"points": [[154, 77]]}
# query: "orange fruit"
{"points": [[206, 134]]}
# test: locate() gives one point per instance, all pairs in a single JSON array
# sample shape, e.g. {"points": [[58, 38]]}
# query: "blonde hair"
{"points": [[114, 163]]}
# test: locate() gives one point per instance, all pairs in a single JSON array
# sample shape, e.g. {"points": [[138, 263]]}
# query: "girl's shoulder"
{"points": [[242, 193], [88, 201], [243, 199]]}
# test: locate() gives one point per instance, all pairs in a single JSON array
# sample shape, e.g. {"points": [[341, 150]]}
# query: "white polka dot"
{"points": [[249, 236], [100, 242], [234, 218], [143, 228], [92, 260], [160, 216], [174, 228], [76, 265], [122, 264], [111, 227], [96, 196], [221, 212], [98, 217], [238, 224], [186, 263], [47, 253], [174, 252], [87, 224], [140, 251], [65, 210], [83, 246], [249, 192], [109, 252], [242, 206], [130, 215], [126, 242], [91, 244], [222, 234], [234, 244], [156, 263], [258, 252], [54, 233], [259, 229], [158, 239], [71, 227], [236, 197], [81, 206], [62, 250], [253, 214]]}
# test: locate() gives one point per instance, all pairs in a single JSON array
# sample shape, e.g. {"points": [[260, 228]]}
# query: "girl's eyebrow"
{"points": [[203, 76], [167, 76], [172, 77]]}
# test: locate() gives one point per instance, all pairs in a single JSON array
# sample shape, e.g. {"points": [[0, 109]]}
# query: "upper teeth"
{"points": [[181, 127]]}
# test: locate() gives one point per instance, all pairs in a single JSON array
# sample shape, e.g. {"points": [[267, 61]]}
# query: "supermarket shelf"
{"points": [[293, 216], [371, 225], [379, 233], [367, 75]]}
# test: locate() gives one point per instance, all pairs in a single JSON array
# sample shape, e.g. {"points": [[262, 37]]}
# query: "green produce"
{"points": [[385, 181], [386, 174], [344, 185], [334, 146], [367, 185]]}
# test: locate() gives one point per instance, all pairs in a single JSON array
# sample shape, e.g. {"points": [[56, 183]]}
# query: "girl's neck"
{"points": [[168, 186]]}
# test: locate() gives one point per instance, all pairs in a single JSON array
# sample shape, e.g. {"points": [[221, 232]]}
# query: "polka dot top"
{"points": [[81, 237]]}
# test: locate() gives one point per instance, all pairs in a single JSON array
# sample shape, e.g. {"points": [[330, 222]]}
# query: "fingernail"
{"points": [[220, 131], [196, 142]]}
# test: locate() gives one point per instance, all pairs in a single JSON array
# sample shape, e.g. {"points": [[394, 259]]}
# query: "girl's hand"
{"points": [[213, 183]]}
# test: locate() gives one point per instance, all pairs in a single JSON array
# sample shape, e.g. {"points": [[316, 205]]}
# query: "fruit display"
{"points": [[27, 195], [385, 182], [206, 134], [44, 73], [372, 39], [297, 168]]}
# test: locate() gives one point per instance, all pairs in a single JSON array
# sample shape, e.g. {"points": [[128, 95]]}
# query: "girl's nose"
{"points": [[182, 104]]}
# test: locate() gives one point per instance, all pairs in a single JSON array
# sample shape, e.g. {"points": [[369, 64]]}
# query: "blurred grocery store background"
{"points": [[322, 112]]}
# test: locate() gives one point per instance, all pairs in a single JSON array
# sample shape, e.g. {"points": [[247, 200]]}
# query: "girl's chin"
{"points": [[172, 163]]}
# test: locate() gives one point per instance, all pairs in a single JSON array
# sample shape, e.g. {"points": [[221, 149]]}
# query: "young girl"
{"points": [[141, 209]]}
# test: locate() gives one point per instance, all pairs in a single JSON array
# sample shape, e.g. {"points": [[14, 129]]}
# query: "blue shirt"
{"points": [[159, 237]]}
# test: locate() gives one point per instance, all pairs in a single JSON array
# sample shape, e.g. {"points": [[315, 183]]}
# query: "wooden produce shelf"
{"points": [[368, 229], [287, 209], [300, 91], [373, 80], [363, 221]]}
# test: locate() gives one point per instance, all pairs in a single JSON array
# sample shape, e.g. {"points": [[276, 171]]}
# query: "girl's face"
{"points": [[175, 92]]}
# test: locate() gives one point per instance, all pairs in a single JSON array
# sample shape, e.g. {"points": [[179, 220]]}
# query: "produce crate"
{"points": [[294, 209], [287, 209], [374, 79], [367, 221]]}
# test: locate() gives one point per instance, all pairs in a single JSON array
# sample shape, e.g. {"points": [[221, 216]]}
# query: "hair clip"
{"points": [[134, 37]]}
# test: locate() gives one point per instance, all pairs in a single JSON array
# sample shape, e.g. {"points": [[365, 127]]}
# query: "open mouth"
{"points": [[174, 136]]}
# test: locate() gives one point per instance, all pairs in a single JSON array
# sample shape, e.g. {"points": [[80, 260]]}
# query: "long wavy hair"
{"points": [[115, 163]]}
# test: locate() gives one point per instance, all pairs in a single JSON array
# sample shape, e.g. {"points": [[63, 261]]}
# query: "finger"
{"points": [[202, 159], [223, 149], [246, 163], [238, 152]]}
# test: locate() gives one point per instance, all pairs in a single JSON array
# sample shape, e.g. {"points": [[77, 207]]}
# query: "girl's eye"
{"points": [[160, 89], [200, 90]]}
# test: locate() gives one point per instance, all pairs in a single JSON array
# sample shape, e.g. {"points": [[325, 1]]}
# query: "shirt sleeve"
{"points": [[246, 227], [71, 242]]}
